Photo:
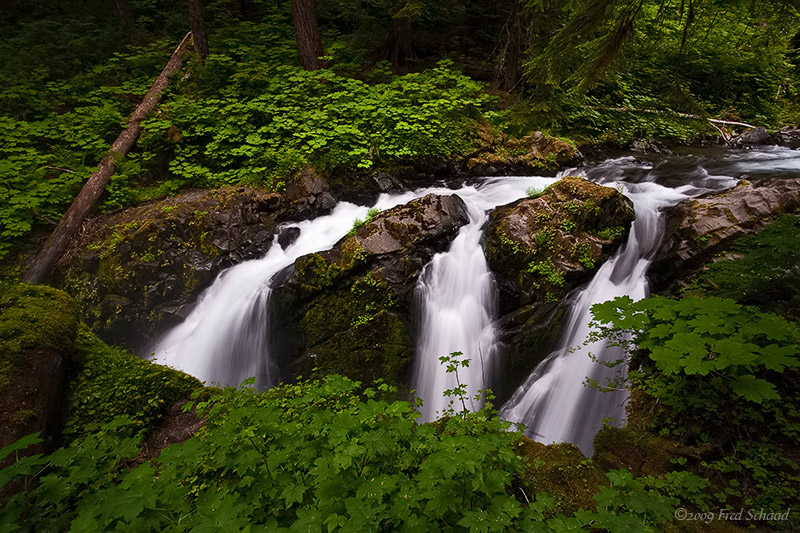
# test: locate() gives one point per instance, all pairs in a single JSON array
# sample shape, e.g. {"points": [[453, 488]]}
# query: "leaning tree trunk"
{"points": [[45, 262], [306, 33], [199, 36]]}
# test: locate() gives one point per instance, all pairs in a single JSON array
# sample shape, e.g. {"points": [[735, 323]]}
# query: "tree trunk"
{"points": [[126, 17], [399, 46], [199, 36], [306, 33], [43, 265], [510, 72]]}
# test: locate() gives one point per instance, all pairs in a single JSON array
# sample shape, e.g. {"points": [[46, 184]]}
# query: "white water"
{"points": [[553, 402], [457, 302], [224, 339]]}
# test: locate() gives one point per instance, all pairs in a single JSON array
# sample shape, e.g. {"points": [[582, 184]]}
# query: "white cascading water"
{"points": [[224, 339], [457, 300], [553, 402]]}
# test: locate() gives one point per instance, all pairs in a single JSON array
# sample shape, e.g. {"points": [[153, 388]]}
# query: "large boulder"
{"points": [[700, 228], [500, 154], [350, 309], [753, 137], [541, 249], [38, 326], [788, 136], [137, 272]]}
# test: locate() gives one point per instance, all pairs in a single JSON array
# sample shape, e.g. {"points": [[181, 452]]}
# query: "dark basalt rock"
{"points": [[138, 272], [541, 249], [700, 228], [788, 137], [349, 310], [753, 137]]}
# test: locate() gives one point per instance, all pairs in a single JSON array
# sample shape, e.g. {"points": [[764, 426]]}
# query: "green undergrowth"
{"points": [[322, 455], [719, 380], [764, 270], [111, 382]]}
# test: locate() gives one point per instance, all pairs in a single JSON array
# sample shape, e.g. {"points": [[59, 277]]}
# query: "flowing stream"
{"points": [[553, 402], [224, 339]]}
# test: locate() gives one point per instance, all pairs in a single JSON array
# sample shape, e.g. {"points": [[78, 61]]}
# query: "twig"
{"points": [[61, 169], [46, 219]]}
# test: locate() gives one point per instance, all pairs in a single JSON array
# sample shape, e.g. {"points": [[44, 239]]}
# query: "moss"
{"points": [[340, 310], [561, 471], [379, 348], [640, 452], [34, 316], [317, 273], [111, 382]]}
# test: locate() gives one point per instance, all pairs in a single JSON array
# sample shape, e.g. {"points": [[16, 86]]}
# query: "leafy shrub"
{"points": [[720, 376], [112, 382], [322, 455], [319, 117], [766, 272]]}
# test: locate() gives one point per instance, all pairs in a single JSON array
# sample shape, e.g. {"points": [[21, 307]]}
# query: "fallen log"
{"points": [[45, 262]]}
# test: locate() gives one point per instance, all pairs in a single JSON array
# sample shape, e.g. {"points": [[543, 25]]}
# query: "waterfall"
{"points": [[224, 339], [553, 402], [456, 301]]}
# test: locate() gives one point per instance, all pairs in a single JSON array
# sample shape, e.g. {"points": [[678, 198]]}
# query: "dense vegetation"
{"points": [[714, 377], [715, 415], [594, 70]]}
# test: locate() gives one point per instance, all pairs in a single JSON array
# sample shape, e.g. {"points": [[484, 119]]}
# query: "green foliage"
{"points": [[583, 253], [357, 223], [322, 118], [112, 382], [608, 70], [721, 375], [35, 316], [612, 233], [535, 192], [764, 271], [314, 455], [548, 271], [712, 344]]}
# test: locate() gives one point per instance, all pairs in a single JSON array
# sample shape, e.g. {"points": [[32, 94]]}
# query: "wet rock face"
{"points": [[753, 137], [700, 228], [542, 248], [349, 310], [136, 273]]}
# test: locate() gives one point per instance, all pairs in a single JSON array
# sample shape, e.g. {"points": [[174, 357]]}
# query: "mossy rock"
{"points": [[561, 471], [641, 452], [107, 382], [378, 347], [38, 325], [542, 248], [500, 153], [134, 271], [350, 309], [34, 316], [547, 245]]}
